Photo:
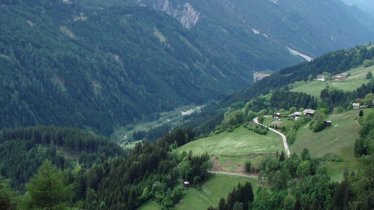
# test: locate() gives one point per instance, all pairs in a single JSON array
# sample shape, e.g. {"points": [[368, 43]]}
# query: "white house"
{"points": [[356, 105], [309, 112], [321, 77]]}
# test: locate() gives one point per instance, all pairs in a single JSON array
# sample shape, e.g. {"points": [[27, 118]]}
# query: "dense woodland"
{"points": [[23, 150], [87, 171], [83, 65], [75, 65]]}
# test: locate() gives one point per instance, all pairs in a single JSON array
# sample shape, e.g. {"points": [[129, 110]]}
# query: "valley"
{"points": [[186, 104]]}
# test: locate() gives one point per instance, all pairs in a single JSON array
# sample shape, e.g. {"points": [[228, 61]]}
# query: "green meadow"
{"points": [[200, 198], [337, 140], [230, 150], [354, 81]]}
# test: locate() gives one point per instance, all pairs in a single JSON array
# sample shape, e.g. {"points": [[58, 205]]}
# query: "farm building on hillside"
{"points": [[296, 115], [309, 112], [340, 77], [356, 105], [321, 77], [259, 76], [277, 115], [328, 123]]}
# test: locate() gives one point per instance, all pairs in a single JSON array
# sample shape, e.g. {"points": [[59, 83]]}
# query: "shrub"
{"points": [[318, 122]]}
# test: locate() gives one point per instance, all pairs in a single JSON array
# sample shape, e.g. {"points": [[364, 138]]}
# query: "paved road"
{"points": [[284, 138], [233, 174]]}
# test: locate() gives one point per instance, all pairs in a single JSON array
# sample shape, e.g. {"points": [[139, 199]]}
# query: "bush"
{"points": [[338, 110], [369, 75], [249, 168], [291, 136], [318, 122], [257, 128], [368, 63], [233, 119]]}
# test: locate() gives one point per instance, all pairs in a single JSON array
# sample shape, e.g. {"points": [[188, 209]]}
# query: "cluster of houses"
{"points": [[297, 115], [338, 77], [257, 76], [362, 106]]}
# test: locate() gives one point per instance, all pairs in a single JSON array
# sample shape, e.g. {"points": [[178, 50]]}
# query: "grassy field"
{"points": [[208, 194], [338, 140], [314, 88], [231, 149], [150, 205]]}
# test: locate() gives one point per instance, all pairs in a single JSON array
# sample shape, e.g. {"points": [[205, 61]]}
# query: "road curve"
{"points": [[284, 138], [232, 174]]}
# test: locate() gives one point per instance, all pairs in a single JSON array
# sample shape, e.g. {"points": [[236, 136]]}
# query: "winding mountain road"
{"points": [[284, 138]]}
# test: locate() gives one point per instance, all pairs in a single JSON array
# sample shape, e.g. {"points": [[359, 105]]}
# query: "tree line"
{"points": [[54, 177], [23, 150], [301, 182]]}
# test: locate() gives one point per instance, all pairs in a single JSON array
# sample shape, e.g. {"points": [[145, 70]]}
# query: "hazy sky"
{"points": [[367, 5]]}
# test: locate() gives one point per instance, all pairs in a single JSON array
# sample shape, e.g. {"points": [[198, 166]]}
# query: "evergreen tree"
{"points": [[361, 113], [369, 75], [282, 157], [47, 189], [222, 204], [6, 198], [318, 122]]}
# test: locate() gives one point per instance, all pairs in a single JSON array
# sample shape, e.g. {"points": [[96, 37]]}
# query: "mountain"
{"points": [[101, 64], [364, 5], [67, 65], [310, 27]]}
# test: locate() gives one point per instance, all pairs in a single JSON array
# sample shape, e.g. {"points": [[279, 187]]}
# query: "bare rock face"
{"points": [[189, 16], [185, 14]]}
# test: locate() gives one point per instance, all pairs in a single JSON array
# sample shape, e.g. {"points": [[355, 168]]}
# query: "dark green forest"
{"points": [[86, 66], [90, 172], [22, 150], [103, 64]]}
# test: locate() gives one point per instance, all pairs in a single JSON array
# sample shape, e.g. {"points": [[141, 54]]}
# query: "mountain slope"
{"points": [[66, 65], [333, 63], [312, 27], [102, 64]]}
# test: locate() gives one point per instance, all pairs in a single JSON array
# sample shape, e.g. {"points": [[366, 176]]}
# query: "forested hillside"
{"points": [[22, 151], [103, 64], [63, 168], [65, 64]]}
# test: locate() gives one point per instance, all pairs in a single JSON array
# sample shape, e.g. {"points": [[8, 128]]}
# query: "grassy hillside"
{"points": [[230, 150], [314, 88], [337, 140], [208, 194]]}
